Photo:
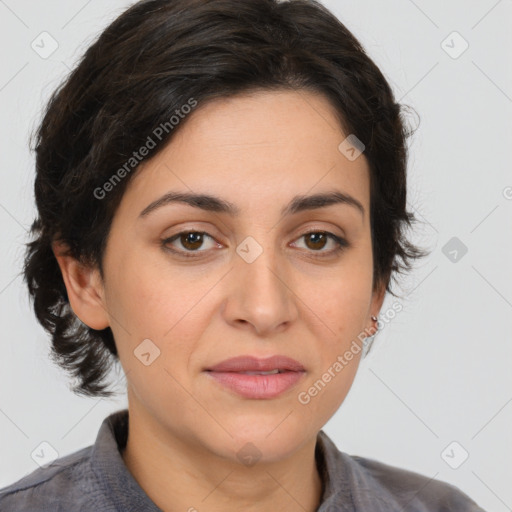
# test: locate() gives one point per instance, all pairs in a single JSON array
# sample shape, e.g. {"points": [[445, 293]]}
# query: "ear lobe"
{"points": [[84, 287], [376, 304]]}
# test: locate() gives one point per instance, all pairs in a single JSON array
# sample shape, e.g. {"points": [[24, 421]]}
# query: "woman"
{"points": [[221, 194]]}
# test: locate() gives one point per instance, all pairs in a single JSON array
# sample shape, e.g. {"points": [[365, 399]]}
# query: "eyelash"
{"points": [[342, 244]]}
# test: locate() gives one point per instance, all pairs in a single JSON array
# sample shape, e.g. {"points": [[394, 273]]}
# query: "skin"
{"points": [[256, 151]]}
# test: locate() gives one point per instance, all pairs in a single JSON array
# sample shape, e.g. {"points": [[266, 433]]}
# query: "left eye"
{"points": [[191, 241], [319, 239]]}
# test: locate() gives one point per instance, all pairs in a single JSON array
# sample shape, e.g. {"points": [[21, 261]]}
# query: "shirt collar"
{"points": [[108, 465], [348, 487], [335, 475]]}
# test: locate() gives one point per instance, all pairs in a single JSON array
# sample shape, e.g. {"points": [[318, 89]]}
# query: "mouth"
{"points": [[271, 372], [247, 364], [254, 378]]}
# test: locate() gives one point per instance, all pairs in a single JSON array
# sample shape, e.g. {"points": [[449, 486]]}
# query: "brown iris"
{"points": [[318, 240], [192, 240]]}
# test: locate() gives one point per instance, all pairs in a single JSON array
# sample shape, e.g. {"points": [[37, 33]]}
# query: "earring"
{"points": [[368, 341]]}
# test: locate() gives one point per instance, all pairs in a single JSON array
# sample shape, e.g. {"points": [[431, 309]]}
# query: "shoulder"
{"points": [[66, 484], [359, 484], [407, 489]]}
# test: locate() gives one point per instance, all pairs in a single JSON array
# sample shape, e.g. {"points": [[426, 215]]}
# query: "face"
{"points": [[206, 285]]}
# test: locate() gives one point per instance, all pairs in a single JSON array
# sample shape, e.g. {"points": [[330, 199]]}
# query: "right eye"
{"points": [[191, 241]]}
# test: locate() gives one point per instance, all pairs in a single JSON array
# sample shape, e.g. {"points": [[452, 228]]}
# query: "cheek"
{"points": [[325, 391], [342, 305], [163, 304], [153, 297], [159, 334], [342, 301]]}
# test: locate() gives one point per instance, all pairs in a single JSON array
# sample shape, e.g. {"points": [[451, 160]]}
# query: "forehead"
{"points": [[261, 146]]}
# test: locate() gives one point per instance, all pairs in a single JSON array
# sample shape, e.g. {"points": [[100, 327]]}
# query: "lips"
{"points": [[253, 378], [246, 364]]}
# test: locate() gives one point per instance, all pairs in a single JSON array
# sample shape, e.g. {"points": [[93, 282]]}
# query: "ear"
{"points": [[376, 304], [84, 287]]}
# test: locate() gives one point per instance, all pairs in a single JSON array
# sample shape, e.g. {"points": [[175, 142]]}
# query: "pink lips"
{"points": [[230, 373]]}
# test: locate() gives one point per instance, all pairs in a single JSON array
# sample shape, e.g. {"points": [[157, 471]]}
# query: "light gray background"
{"points": [[440, 370]]}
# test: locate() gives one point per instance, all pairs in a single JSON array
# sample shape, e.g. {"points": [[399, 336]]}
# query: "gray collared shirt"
{"points": [[96, 479]]}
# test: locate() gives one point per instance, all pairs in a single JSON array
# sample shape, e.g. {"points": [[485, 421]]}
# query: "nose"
{"points": [[260, 296]]}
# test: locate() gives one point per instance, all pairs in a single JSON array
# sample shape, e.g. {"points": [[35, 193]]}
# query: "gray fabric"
{"points": [[96, 479]]}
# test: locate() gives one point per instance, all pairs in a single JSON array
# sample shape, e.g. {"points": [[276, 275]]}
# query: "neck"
{"points": [[178, 475]]}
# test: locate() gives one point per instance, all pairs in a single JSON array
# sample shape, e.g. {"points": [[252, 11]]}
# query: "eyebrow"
{"points": [[216, 204]]}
